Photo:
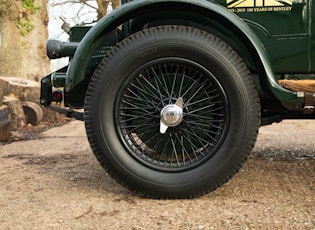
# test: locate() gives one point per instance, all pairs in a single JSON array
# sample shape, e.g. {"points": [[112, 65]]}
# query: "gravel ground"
{"points": [[53, 181]]}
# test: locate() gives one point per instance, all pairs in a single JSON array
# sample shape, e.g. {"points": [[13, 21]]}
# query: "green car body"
{"points": [[274, 39], [174, 91]]}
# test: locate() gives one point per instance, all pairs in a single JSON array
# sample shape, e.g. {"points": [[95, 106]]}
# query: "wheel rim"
{"points": [[155, 87]]}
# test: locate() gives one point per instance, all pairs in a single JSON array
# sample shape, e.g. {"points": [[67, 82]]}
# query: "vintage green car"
{"points": [[174, 91]]}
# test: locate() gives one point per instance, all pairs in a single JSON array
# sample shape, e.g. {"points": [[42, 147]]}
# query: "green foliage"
{"points": [[23, 22], [29, 5], [24, 25]]}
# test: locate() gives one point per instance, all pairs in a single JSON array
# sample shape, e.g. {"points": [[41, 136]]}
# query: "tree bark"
{"points": [[23, 56], [102, 7], [33, 112], [115, 4], [17, 116], [5, 124], [24, 90]]}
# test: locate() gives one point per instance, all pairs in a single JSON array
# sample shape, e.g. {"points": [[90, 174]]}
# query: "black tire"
{"points": [[152, 69]]}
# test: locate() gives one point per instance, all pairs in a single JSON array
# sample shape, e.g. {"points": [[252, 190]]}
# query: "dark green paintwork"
{"points": [[284, 31], [77, 69], [273, 40]]}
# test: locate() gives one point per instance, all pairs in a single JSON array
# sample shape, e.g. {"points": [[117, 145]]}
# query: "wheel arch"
{"points": [[242, 38]]}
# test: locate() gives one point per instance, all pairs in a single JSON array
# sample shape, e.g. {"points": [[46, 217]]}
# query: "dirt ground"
{"points": [[53, 181]]}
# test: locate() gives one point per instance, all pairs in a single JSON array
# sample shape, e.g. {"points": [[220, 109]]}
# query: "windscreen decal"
{"points": [[239, 6]]}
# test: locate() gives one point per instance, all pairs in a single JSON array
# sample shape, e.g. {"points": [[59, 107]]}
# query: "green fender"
{"points": [[78, 67]]}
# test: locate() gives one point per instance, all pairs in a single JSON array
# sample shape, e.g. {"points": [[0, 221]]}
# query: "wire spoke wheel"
{"points": [[204, 114], [172, 112]]}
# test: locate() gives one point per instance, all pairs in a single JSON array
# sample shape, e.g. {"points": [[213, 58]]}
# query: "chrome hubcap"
{"points": [[171, 115]]}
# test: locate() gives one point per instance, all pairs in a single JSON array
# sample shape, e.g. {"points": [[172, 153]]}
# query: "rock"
{"points": [[5, 124], [16, 113], [33, 112]]}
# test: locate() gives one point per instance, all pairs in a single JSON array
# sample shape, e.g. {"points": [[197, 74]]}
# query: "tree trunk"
{"points": [[17, 116], [102, 7], [115, 4], [24, 90], [23, 56], [5, 124], [33, 112], [27, 90]]}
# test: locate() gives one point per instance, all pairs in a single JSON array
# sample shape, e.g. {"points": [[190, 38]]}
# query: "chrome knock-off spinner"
{"points": [[171, 115]]}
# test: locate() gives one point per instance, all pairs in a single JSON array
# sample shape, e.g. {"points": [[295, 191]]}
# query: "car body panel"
{"points": [[78, 67]]}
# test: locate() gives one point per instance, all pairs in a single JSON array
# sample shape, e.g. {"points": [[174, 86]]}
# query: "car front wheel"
{"points": [[172, 112]]}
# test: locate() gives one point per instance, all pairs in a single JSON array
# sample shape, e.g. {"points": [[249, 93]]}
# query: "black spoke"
{"points": [[161, 83]]}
